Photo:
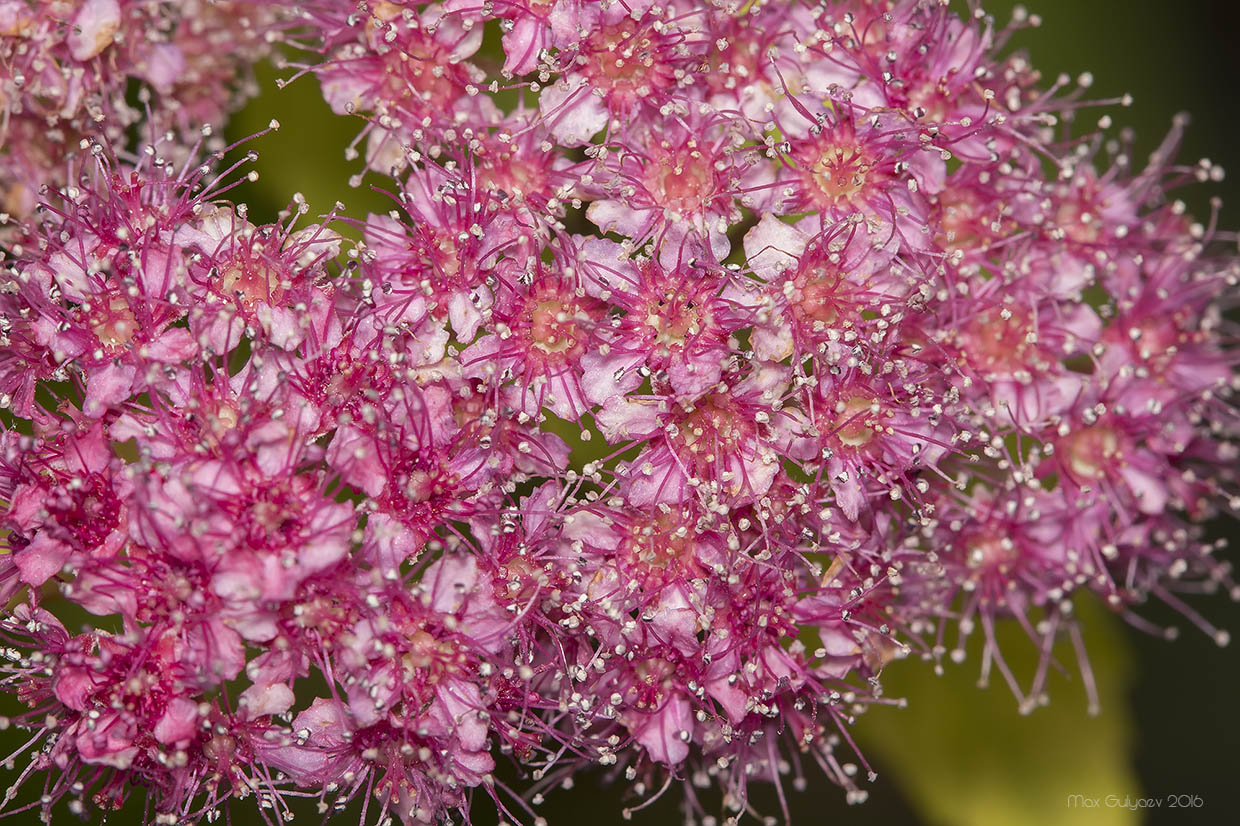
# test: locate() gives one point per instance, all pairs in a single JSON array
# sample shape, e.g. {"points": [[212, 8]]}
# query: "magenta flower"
{"points": [[66, 67], [708, 360]]}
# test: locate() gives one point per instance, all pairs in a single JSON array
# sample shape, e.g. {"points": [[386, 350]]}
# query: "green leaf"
{"points": [[306, 154], [964, 756]]}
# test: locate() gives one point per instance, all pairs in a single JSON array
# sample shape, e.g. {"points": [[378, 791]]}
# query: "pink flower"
{"points": [[722, 445], [680, 184], [706, 362], [674, 325], [68, 67]]}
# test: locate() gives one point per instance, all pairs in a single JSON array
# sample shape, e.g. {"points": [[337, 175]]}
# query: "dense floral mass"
{"points": [[712, 356]]}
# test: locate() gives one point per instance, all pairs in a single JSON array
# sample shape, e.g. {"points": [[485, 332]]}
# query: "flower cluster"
{"points": [[72, 68], [710, 358]]}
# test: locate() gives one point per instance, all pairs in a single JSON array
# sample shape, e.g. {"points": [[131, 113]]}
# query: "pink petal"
{"points": [[663, 733], [106, 388], [574, 112], [42, 559], [179, 721], [93, 28], [773, 246], [262, 700]]}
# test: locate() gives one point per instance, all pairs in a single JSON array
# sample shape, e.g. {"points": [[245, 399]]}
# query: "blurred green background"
{"points": [[960, 755]]}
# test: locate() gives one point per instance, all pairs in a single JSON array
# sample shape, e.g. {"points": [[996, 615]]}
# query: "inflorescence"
{"points": [[712, 356]]}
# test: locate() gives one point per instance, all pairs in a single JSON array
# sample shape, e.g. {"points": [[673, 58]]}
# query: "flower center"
{"points": [[665, 543], [713, 427], [854, 428], [959, 224], [1090, 450], [1078, 223], [989, 551], [90, 510], [673, 321], [1002, 341], [251, 280], [115, 325], [840, 172], [424, 650], [682, 181], [624, 62], [553, 329], [814, 296], [542, 8]]}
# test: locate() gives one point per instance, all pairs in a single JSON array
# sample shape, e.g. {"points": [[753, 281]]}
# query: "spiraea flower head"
{"points": [[76, 68], [709, 358]]}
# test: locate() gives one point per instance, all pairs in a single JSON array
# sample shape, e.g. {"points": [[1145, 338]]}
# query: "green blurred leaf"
{"points": [[965, 757], [306, 155]]}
